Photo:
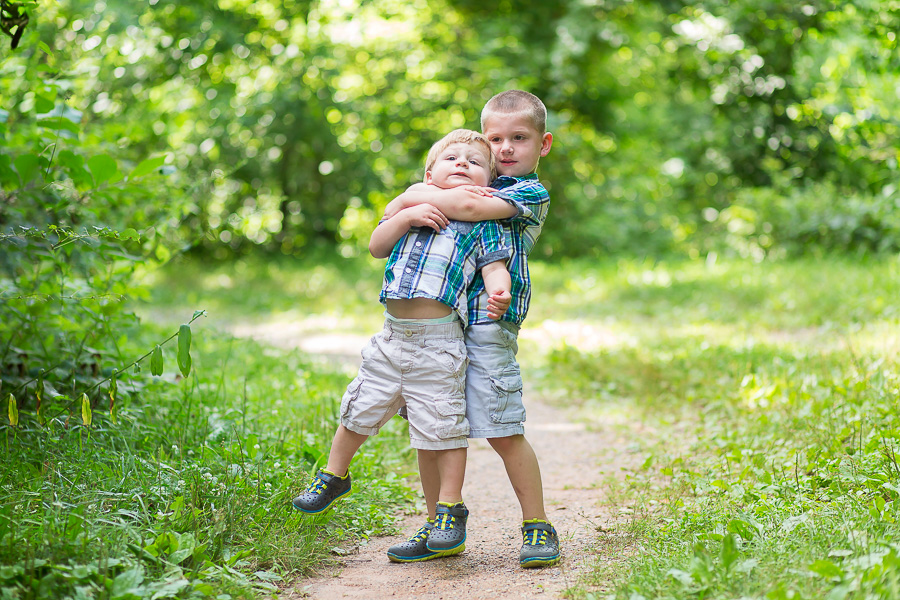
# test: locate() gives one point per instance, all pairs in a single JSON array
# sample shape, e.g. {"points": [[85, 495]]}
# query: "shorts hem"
{"points": [[441, 445], [359, 428], [498, 431]]}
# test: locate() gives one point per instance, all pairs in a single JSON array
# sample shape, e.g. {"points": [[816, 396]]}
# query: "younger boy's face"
{"points": [[460, 164], [516, 144]]}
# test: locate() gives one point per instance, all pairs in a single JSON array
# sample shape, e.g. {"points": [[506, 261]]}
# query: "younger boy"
{"points": [[419, 359], [515, 124]]}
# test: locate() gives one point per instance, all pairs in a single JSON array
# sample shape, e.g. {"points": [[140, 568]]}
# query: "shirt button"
{"points": [[409, 270], [418, 243], [408, 333]]}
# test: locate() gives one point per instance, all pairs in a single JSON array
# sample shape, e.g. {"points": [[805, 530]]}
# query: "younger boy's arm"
{"points": [[462, 203], [497, 283], [389, 231]]}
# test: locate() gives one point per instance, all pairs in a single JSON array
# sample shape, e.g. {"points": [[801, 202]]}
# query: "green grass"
{"points": [[188, 495], [772, 393], [771, 390]]}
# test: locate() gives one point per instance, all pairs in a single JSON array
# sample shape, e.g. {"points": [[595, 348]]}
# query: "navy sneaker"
{"points": [[415, 549], [541, 545], [324, 490], [449, 531]]}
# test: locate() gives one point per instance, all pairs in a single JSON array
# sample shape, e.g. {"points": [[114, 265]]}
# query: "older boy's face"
{"points": [[517, 145], [460, 164]]}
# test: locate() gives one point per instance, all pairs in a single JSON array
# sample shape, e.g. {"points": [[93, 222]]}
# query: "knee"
{"points": [[507, 445]]}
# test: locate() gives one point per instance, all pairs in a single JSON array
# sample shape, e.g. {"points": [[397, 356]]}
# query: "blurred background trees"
{"points": [[754, 127]]}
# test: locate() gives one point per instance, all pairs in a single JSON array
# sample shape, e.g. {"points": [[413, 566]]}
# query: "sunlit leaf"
{"points": [[87, 416], [13, 411], [113, 389], [147, 166]]}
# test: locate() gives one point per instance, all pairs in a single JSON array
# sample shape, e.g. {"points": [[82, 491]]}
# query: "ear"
{"points": [[546, 142], [428, 177]]}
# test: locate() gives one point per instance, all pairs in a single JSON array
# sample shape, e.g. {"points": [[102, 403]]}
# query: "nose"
{"points": [[505, 147], [463, 162]]}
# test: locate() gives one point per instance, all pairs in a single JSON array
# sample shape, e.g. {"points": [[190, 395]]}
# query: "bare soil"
{"points": [[576, 463]]}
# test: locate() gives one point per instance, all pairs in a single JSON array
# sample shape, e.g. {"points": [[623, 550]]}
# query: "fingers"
{"points": [[439, 218]]}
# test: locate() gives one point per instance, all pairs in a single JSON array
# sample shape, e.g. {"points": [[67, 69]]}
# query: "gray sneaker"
{"points": [[324, 490], [449, 532], [541, 545], [415, 550]]}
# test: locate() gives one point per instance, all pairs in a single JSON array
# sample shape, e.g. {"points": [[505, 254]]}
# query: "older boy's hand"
{"points": [[498, 304], [480, 190], [425, 215]]}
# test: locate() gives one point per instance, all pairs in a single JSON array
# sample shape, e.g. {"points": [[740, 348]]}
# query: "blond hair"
{"points": [[461, 136], [517, 102]]}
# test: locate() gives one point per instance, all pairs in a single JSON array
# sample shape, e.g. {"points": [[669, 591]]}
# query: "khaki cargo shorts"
{"points": [[420, 366]]}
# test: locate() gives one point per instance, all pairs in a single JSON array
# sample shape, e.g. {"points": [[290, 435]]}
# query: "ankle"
{"points": [[334, 473]]}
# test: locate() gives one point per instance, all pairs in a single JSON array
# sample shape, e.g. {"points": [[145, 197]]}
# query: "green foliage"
{"points": [[289, 126]]}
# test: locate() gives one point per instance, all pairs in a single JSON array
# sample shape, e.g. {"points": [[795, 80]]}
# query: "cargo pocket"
{"points": [[452, 423], [350, 396], [508, 407], [454, 358]]}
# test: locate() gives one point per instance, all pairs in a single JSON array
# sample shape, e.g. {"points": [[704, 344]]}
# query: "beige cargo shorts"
{"points": [[420, 366]]}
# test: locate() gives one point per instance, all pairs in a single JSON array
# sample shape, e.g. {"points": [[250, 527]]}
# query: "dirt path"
{"points": [[574, 461]]}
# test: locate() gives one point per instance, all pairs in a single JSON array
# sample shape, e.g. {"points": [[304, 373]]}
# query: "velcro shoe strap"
{"points": [[456, 511], [539, 526]]}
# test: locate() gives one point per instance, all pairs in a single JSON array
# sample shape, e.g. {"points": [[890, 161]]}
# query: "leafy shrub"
{"points": [[818, 217]]}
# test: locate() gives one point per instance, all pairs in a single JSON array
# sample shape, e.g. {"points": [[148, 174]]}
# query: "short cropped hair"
{"points": [[517, 102], [462, 136]]}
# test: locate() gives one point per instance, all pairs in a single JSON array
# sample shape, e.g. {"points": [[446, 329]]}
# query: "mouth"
{"points": [[459, 174]]}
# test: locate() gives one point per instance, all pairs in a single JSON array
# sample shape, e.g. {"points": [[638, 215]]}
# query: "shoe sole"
{"points": [[533, 563], [325, 509], [443, 554]]}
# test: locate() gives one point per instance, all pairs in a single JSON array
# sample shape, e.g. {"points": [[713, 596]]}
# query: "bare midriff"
{"points": [[417, 308]]}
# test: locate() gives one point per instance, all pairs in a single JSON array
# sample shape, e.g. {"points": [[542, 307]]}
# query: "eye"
{"points": [[494, 140], [450, 157], [475, 161], [520, 137]]}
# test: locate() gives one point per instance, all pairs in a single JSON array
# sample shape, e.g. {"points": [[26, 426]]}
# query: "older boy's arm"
{"points": [[389, 232], [497, 283], [463, 203]]}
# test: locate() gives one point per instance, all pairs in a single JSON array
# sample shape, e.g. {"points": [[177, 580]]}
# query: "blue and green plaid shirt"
{"points": [[440, 266], [532, 200]]}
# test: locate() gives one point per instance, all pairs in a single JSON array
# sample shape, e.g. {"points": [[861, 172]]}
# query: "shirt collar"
{"points": [[508, 180]]}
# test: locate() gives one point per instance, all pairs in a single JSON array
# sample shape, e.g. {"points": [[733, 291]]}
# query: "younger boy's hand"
{"points": [[498, 304], [393, 207], [425, 215]]}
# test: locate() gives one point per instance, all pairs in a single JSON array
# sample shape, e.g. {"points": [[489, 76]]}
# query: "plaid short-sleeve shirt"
{"points": [[533, 202], [440, 266]]}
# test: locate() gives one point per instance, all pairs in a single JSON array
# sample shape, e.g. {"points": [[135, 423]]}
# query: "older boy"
{"points": [[515, 124], [419, 359]]}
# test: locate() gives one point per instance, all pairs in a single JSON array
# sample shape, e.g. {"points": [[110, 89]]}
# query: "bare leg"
{"points": [[431, 479], [343, 448], [451, 466], [524, 474]]}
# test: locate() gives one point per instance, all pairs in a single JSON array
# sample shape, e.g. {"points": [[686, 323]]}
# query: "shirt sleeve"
{"points": [[494, 243], [531, 200]]}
